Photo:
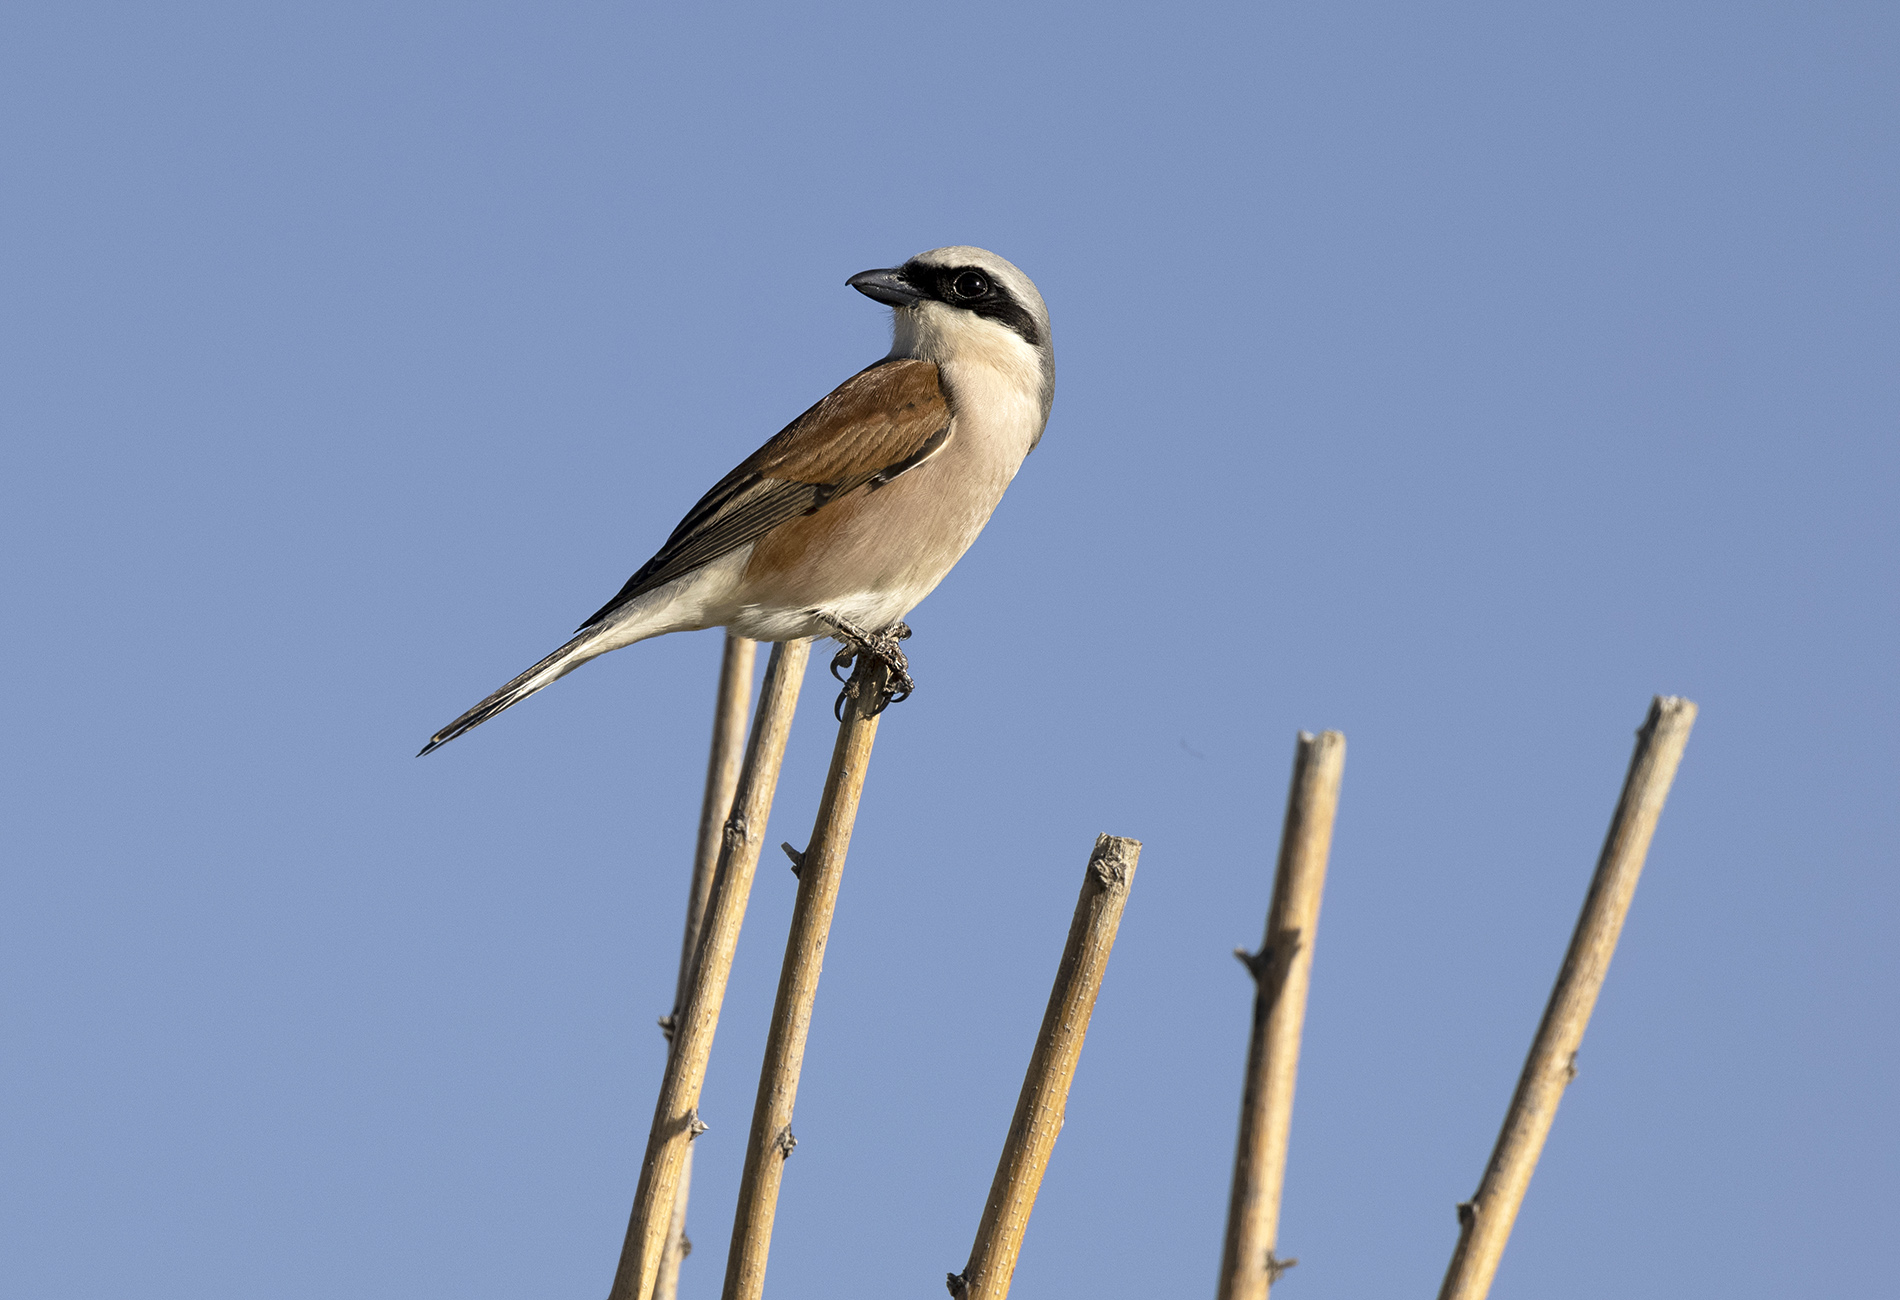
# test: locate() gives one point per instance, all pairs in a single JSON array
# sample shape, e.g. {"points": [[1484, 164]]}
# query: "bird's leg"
{"points": [[881, 646]]}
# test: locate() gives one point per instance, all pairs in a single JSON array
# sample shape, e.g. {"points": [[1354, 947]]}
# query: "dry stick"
{"points": [[1485, 1220], [1045, 1095], [1281, 970], [722, 778], [676, 1116], [722, 781], [678, 1245], [820, 870]]}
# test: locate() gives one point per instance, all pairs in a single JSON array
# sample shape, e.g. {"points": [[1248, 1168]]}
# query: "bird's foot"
{"points": [[881, 647]]}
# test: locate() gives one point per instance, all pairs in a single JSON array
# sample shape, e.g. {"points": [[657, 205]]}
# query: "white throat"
{"points": [[981, 360]]}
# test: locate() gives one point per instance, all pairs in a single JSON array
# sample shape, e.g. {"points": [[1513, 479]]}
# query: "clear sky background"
{"points": [[1457, 376]]}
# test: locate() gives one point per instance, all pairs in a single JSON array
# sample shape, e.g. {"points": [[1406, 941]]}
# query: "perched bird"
{"points": [[857, 509]]}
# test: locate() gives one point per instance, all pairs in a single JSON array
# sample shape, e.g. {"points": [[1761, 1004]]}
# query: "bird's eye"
{"points": [[969, 284]]}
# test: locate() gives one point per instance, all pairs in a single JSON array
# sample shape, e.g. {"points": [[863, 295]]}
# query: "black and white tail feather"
{"points": [[553, 668]]}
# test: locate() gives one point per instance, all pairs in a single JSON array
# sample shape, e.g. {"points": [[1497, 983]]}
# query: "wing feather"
{"points": [[881, 422]]}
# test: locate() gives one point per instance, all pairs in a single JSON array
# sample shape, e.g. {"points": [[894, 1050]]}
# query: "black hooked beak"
{"points": [[888, 287]]}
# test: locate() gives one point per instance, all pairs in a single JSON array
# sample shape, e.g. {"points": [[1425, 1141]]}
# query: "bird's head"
{"points": [[964, 305]]}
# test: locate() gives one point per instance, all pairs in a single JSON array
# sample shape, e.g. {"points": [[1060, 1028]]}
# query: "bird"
{"points": [[851, 514]]}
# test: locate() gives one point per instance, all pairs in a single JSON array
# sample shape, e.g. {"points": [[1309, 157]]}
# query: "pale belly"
{"points": [[870, 558]]}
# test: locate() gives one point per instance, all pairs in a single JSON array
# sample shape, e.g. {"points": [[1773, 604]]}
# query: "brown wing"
{"points": [[882, 421]]}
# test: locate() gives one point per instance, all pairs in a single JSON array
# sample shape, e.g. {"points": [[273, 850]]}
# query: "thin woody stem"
{"points": [[820, 872], [1045, 1094], [676, 1115], [1485, 1220], [1282, 971], [722, 779]]}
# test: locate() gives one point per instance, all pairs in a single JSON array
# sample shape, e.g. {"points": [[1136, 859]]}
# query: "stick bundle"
{"points": [[1045, 1094], [1282, 972], [676, 1116], [820, 872], [1485, 1220]]}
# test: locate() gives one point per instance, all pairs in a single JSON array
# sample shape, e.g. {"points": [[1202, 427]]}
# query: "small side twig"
{"points": [[675, 1116], [722, 779], [1282, 972], [820, 870], [1485, 1220], [1045, 1094]]}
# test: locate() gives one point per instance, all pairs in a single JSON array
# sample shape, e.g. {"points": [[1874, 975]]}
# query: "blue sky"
{"points": [[1455, 376]]}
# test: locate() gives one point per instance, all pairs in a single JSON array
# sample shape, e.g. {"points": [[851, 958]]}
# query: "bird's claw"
{"points": [[881, 646], [846, 655]]}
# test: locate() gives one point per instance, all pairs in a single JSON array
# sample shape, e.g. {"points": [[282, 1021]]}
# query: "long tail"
{"points": [[559, 664]]}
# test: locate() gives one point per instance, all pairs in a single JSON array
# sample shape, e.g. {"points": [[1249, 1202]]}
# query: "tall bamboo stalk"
{"points": [[1045, 1094], [1282, 971], [722, 779], [1485, 1220], [820, 871], [676, 1116]]}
